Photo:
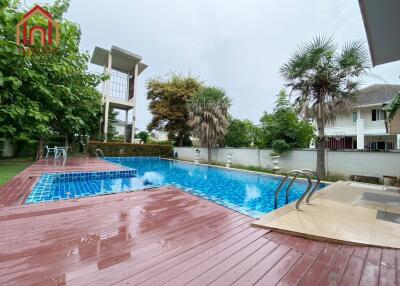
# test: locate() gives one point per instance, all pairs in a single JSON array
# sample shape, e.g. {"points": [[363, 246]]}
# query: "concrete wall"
{"points": [[346, 163]]}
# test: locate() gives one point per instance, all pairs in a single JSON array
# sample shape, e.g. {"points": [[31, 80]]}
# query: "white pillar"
{"points": [[398, 141], [108, 83], [360, 134], [106, 110], [126, 127], [134, 102], [106, 96]]}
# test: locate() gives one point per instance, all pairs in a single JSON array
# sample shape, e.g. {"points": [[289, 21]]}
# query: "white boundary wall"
{"points": [[346, 163]]}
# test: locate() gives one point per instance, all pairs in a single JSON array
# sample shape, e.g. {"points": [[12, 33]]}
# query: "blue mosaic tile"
{"points": [[63, 186], [248, 193]]}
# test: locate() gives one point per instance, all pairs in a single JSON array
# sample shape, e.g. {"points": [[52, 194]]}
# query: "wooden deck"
{"points": [[168, 237], [16, 191]]}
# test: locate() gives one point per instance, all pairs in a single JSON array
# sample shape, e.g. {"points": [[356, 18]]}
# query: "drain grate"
{"points": [[388, 216], [381, 199]]}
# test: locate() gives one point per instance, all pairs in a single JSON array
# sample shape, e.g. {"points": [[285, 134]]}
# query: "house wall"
{"points": [[346, 127], [394, 126], [372, 127], [346, 163]]}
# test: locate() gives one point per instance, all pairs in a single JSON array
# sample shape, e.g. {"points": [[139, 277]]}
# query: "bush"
{"points": [[116, 149], [280, 146]]}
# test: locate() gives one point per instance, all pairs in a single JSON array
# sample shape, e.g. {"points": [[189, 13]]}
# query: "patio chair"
{"points": [[50, 150], [61, 151]]}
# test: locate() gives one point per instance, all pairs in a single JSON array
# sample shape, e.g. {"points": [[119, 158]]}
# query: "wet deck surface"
{"points": [[168, 237], [17, 190]]}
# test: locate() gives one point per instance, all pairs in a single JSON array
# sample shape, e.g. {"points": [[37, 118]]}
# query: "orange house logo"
{"points": [[47, 39]]}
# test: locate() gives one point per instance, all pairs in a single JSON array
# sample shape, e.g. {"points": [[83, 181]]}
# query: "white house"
{"points": [[159, 135], [365, 128]]}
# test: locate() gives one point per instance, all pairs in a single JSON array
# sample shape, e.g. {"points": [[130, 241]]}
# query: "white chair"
{"points": [[50, 150], [61, 151]]}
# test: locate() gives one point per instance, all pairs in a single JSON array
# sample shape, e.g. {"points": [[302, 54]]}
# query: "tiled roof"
{"points": [[377, 93]]}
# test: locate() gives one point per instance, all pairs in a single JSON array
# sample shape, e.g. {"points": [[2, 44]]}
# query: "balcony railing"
{"points": [[119, 85]]}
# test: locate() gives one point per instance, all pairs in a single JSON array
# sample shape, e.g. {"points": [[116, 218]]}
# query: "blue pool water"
{"points": [[248, 193]]}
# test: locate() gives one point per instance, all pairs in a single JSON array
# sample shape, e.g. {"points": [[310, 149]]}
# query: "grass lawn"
{"points": [[11, 167]]}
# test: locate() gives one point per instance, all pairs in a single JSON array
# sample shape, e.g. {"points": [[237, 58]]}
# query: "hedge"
{"points": [[117, 149]]}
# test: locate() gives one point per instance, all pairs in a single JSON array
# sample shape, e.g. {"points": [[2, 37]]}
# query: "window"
{"points": [[354, 116], [378, 114]]}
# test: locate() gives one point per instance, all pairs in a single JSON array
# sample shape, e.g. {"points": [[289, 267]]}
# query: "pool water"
{"points": [[248, 193]]}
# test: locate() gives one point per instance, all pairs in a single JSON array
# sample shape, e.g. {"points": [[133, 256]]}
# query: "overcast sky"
{"points": [[238, 45]]}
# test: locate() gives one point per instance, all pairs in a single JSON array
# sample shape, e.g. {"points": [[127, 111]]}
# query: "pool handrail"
{"points": [[296, 172], [316, 185]]}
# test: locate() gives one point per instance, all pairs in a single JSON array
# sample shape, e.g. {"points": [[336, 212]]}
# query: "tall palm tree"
{"points": [[325, 83], [208, 116]]}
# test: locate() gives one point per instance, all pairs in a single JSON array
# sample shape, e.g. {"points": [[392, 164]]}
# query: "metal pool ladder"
{"points": [[99, 151], [308, 193]]}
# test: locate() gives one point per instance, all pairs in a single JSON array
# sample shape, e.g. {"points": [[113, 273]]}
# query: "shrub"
{"points": [[117, 149], [280, 146]]}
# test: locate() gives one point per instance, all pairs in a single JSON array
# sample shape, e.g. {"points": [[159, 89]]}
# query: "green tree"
{"points": [[112, 121], [168, 99], [44, 93], [208, 116], [393, 107], [144, 136], [241, 133], [325, 83], [282, 129]]}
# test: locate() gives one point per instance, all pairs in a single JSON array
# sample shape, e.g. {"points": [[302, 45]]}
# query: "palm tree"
{"points": [[208, 116], [325, 83]]}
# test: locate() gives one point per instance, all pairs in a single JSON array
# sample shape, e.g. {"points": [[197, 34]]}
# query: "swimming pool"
{"points": [[246, 192]]}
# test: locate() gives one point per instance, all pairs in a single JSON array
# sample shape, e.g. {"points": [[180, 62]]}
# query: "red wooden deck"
{"points": [[166, 236], [17, 190]]}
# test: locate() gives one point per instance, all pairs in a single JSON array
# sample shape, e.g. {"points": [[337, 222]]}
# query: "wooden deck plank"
{"points": [[370, 274], [280, 269], [242, 246], [259, 270], [353, 271], [221, 267], [316, 272], [338, 266], [296, 273], [248, 263], [163, 236]]}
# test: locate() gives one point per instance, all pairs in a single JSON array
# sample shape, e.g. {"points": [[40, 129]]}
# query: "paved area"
{"points": [[344, 212]]}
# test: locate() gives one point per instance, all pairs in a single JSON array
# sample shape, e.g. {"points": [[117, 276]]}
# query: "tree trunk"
{"points": [[39, 149], [65, 141], [180, 140], [321, 149], [209, 154]]}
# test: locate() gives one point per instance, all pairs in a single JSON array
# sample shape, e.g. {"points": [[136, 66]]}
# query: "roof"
{"points": [[381, 21], [121, 59], [377, 94]]}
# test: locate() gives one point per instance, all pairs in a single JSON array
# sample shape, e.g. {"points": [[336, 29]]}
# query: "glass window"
{"points": [[354, 116], [378, 114]]}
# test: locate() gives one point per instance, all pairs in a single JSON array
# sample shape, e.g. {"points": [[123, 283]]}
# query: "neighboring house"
{"points": [[365, 128], [159, 135], [120, 126]]}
